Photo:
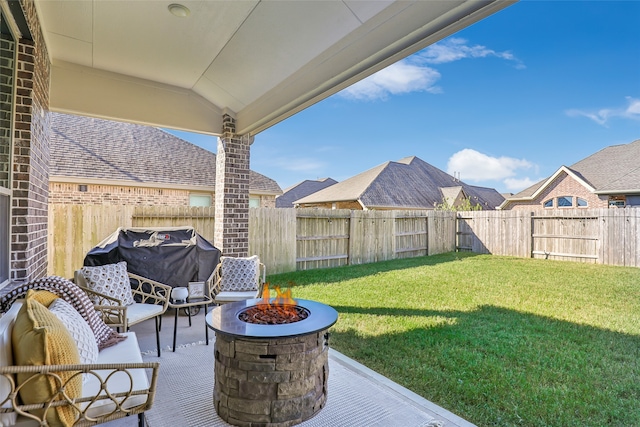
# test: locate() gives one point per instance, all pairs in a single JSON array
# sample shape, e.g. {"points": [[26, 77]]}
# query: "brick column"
{"points": [[30, 164], [232, 191]]}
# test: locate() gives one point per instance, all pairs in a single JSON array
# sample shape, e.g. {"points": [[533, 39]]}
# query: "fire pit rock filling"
{"points": [[269, 373]]}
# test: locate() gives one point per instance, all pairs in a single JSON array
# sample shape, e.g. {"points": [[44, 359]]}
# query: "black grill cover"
{"points": [[173, 256]]}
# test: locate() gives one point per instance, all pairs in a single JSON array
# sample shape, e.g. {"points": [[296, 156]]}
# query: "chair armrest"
{"points": [[110, 309], [149, 291], [214, 282], [11, 402]]}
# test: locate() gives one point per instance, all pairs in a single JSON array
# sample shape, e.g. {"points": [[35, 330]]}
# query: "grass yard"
{"points": [[499, 341]]}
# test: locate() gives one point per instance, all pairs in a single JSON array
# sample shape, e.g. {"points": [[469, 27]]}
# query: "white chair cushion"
{"points": [[138, 312], [111, 280], [231, 296], [78, 328], [119, 382], [240, 274]]}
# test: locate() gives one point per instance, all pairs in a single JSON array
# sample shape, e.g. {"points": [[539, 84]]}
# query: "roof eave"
{"points": [[605, 192]]}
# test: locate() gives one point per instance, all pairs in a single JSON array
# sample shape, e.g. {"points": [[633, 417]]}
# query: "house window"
{"points": [[254, 202], [548, 203], [565, 202], [582, 203], [7, 80], [617, 201], [196, 199]]}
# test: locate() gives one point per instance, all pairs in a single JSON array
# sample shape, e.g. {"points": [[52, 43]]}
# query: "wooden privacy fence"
{"points": [[331, 238], [301, 239], [285, 239], [604, 236]]}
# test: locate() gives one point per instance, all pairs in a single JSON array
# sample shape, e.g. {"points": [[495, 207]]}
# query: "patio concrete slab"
{"points": [[196, 333]]}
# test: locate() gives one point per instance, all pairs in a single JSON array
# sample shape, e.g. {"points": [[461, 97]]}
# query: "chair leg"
{"points": [[160, 327], [189, 314], [158, 334], [206, 328], [141, 419], [175, 328]]}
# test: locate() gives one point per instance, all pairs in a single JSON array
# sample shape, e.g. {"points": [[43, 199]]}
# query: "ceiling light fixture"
{"points": [[179, 10]]}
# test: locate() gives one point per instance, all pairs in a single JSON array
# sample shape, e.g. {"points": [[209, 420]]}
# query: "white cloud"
{"points": [[455, 49], [475, 166], [602, 116], [413, 75], [401, 77]]}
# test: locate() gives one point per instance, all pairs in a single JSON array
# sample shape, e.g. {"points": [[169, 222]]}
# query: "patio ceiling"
{"points": [[259, 61]]}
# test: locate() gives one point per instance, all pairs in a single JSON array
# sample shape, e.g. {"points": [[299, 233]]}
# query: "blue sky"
{"points": [[504, 103]]}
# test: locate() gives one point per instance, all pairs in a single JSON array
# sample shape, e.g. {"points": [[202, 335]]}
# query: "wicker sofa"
{"points": [[117, 385]]}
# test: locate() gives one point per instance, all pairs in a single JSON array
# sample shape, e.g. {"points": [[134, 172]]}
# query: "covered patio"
{"points": [[224, 68]]}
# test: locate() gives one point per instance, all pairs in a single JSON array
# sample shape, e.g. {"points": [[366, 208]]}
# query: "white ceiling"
{"points": [[259, 61]]}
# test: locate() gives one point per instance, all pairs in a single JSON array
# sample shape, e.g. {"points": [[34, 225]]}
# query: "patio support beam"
{"points": [[231, 233]]}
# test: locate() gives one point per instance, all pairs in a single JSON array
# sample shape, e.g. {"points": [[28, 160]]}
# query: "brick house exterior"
{"points": [[96, 161], [27, 185], [25, 142], [608, 178]]}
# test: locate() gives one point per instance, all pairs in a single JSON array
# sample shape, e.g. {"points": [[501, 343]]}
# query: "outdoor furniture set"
{"points": [[62, 364]]}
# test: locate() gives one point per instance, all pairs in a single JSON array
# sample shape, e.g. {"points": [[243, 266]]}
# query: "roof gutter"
{"points": [[605, 192]]}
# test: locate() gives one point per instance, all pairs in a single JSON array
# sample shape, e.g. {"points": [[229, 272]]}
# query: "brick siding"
{"points": [[231, 234], [354, 205], [563, 185], [68, 193], [30, 164]]}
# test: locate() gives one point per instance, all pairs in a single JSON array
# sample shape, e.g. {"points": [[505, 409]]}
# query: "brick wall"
{"points": [[68, 193], [30, 164], [232, 191], [338, 205], [266, 201], [7, 47], [563, 185]]}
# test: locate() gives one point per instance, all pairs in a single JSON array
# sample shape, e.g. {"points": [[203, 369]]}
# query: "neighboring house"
{"points": [[95, 161], [608, 178], [410, 183], [302, 189]]}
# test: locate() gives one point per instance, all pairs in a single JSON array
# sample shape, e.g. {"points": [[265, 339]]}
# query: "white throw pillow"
{"points": [[111, 280], [78, 328], [240, 274]]}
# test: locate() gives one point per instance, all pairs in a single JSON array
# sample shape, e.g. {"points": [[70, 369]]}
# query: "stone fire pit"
{"points": [[270, 374]]}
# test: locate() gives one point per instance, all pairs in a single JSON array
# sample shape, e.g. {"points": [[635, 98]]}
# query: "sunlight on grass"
{"points": [[499, 341]]}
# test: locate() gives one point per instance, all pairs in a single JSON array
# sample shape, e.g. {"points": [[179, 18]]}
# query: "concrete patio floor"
{"points": [[196, 333]]}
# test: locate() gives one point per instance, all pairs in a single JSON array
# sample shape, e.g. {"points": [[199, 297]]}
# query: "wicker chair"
{"points": [[237, 279], [152, 301]]}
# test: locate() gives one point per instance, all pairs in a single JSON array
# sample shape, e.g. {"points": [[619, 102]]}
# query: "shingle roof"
{"points": [[612, 169], [407, 183], [86, 147], [615, 168], [302, 189]]}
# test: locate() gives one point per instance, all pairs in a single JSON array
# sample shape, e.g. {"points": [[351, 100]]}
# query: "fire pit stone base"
{"points": [[270, 382]]}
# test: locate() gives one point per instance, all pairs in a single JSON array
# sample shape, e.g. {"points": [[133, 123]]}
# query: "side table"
{"points": [[186, 298]]}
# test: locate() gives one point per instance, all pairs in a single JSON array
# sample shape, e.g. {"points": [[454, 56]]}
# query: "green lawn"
{"points": [[499, 341]]}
